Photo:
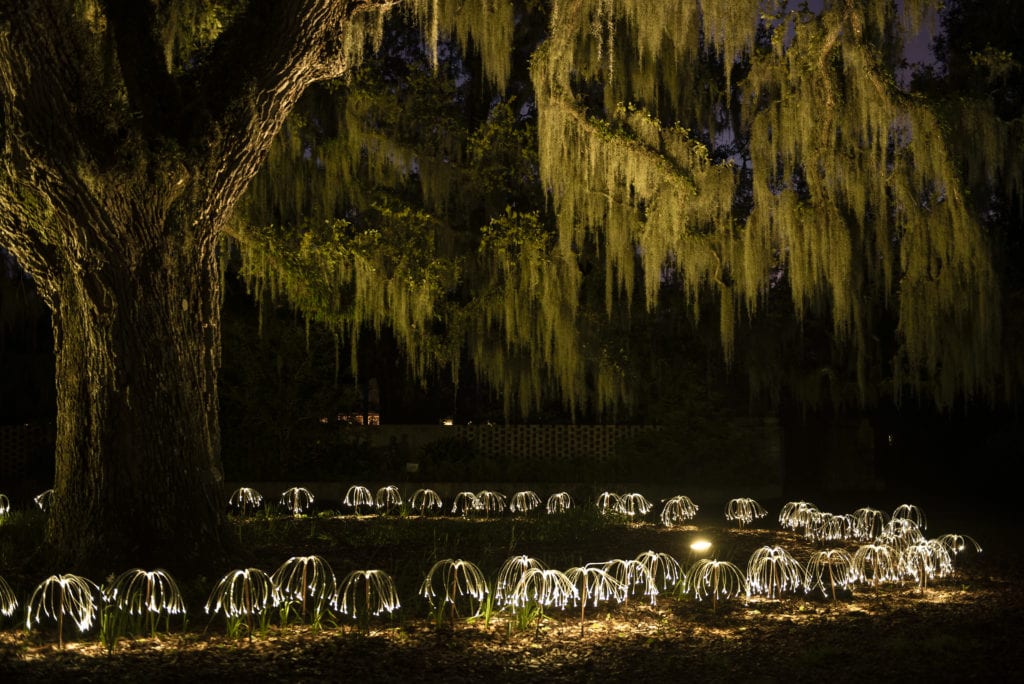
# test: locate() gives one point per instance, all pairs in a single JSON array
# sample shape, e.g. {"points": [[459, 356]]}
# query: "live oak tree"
{"points": [[732, 151], [129, 131]]}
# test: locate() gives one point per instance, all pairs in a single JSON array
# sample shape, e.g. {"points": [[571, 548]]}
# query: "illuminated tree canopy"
{"points": [[727, 149], [497, 183]]}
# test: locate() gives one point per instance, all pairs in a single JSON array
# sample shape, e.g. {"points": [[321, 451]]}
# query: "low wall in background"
{"points": [[520, 442], [544, 449]]}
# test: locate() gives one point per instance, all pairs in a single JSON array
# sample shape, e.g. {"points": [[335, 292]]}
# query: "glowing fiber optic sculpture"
{"points": [[634, 505], [772, 571], [868, 523], [876, 563], [366, 593], [297, 500], [829, 527], [306, 581], [900, 533], [466, 503], [594, 584], [545, 587], [60, 595], [797, 514], [912, 513], [608, 502], [744, 511], [524, 502], [661, 565], [245, 500], [146, 595], [633, 575], [457, 578], [678, 510], [424, 501], [829, 569], [242, 595], [358, 495], [490, 502], [956, 544], [716, 579], [925, 561], [509, 575], [559, 502], [388, 498]]}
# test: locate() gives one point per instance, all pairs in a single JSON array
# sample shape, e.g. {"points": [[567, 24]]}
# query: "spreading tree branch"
{"points": [[259, 68]]}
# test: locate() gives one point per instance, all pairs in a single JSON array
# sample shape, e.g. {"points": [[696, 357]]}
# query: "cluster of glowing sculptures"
{"points": [[677, 510], [136, 598], [889, 548], [868, 548], [388, 499], [486, 503], [305, 584], [527, 586], [632, 505]]}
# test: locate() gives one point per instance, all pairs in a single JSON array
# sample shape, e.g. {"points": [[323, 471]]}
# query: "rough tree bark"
{"points": [[116, 177]]}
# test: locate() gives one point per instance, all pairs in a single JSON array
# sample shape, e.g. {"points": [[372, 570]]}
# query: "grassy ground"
{"points": [[961, 628]]}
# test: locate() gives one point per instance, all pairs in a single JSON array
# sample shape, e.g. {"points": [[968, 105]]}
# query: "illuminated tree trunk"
{"points": [[138, 437]]}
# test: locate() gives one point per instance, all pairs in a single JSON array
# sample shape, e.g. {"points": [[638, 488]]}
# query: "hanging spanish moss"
{"points": [[485, 24], [721, 147], [856, 195]]}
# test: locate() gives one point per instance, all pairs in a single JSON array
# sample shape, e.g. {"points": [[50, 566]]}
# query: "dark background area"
{"points": [[280, 382]]}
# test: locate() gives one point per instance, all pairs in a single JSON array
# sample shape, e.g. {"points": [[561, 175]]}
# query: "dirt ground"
{"points": [[965, 628]]}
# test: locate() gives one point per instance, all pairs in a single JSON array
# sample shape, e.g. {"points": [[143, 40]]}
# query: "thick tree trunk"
{"points": [[117, 173], [138, 436]]}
